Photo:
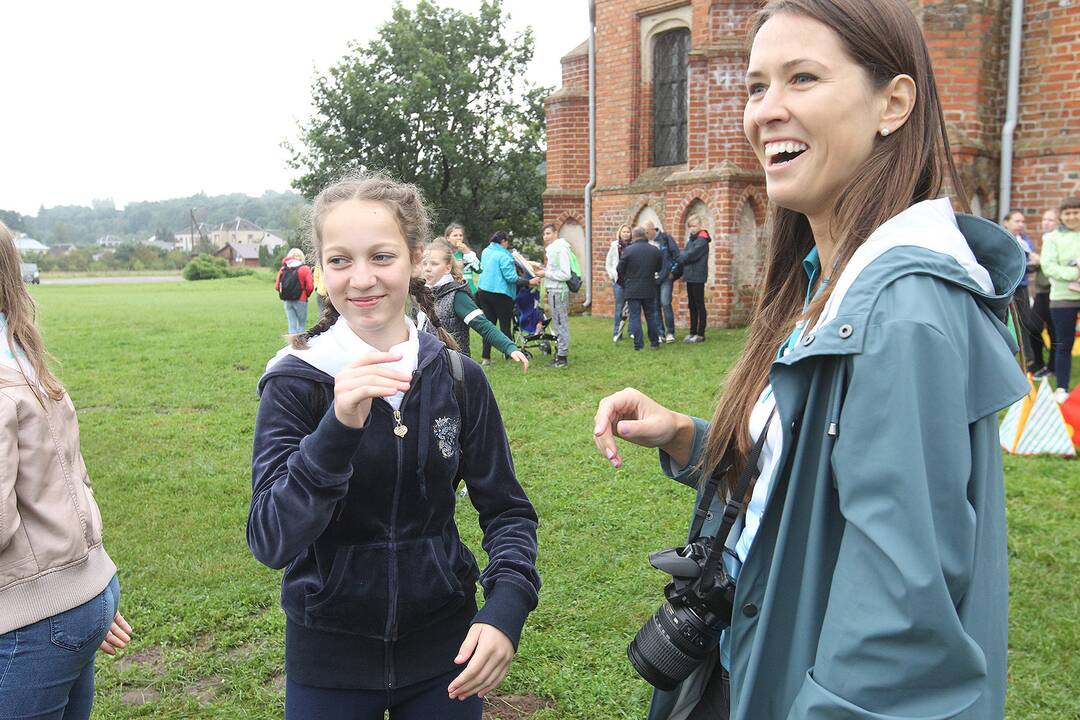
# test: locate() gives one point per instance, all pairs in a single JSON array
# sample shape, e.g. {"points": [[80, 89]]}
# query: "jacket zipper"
{"points": [[392, 590]]}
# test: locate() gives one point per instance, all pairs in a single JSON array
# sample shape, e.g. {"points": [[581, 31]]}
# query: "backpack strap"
{"points": [[457, 375]]}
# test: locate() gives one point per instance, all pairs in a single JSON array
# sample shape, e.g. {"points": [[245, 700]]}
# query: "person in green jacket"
{"points": [[1061, 264], [455, 306], [870, 561]]}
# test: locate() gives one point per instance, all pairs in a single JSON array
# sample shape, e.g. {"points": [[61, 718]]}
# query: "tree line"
{"points": [[80, 225]]}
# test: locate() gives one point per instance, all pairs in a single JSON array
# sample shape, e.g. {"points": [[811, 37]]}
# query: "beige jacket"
{"points": [[51, 556]]}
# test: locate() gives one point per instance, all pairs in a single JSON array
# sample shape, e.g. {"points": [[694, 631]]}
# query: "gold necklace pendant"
{"points": [[399, 429]]}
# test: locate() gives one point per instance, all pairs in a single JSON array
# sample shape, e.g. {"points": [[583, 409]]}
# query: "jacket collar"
{"points": [[929, 239], [330, 351]]}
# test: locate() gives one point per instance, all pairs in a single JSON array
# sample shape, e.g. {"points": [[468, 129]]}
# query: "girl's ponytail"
{"points": [[425, 298]]}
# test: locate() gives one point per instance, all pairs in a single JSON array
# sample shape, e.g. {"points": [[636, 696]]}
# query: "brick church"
{"points": [[669, 138]]}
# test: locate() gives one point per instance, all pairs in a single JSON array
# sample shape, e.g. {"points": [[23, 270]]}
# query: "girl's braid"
{"points": [[425, 298], [329, 316]]}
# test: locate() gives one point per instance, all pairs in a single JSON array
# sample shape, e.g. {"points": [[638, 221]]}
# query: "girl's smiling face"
{"points": [[366, 268], [811, 113]]}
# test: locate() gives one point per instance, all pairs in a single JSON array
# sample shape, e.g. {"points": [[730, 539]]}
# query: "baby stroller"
{"points": [[529, 322]]}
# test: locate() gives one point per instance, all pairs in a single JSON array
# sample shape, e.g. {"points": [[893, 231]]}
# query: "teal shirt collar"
{"points": [[812, 265]]}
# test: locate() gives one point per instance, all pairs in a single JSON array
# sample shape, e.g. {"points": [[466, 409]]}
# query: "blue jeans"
{"points": [[47, 668], [666, 312], [296, 314], [617, 314], [651, 317], [423, 701]]}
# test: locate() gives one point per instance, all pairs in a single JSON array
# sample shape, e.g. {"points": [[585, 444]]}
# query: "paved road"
{"points": [[113, 280]]}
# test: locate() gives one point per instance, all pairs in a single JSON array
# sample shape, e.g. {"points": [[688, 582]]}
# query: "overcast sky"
{"points": [[148, 101]]}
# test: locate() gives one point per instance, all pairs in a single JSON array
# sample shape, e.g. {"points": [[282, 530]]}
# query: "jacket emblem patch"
{"points": [[446, 432]]}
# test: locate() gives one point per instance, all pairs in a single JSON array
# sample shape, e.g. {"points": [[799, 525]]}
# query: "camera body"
{"points": [[698, 606]]}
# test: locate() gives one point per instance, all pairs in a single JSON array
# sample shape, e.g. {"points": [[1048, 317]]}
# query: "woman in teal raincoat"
{"points": [[871, 559]]}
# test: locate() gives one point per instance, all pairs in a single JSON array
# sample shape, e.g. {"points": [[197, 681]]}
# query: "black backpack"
{"points": [[289, 284]]}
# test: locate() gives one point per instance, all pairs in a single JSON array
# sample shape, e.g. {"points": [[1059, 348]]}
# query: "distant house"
{"points": [[187, 240], [237, 230], [165, 245], [109, 241], [61, 248], [26, 244], [245, 254], [272, 242]]}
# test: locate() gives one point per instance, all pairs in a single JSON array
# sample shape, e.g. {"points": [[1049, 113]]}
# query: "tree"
{"points": [[436, 99]]}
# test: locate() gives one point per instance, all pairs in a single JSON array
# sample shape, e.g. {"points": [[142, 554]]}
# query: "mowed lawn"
{"points": [[164, 378]]}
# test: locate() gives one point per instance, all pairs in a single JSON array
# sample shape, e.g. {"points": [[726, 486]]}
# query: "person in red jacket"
{"points": [[294, 285]]}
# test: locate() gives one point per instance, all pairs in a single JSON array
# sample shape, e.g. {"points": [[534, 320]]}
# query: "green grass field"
{"points": [[164, 378]]}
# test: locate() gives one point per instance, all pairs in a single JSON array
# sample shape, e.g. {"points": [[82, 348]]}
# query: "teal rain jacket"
{"points": [[877, 584]]}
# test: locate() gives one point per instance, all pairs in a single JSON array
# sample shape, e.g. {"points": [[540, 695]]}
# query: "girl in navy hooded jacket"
{"points": [[359, 441]]}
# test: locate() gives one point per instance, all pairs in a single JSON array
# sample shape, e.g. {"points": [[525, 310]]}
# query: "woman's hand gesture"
{"points": [[360, 381], [118, 637], [631, 415]]}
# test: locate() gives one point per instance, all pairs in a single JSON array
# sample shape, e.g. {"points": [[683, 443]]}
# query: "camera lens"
{"points": [[670, 645]]}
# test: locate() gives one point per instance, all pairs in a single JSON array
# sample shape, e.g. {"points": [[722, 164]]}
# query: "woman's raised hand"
{"points": [[360, 381], [631, 415]]}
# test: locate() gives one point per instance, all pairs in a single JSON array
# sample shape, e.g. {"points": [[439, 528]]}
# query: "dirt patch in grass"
{"points": [[205, 690], [151, 659], [140, 696], [514, 707], [276, 682]]}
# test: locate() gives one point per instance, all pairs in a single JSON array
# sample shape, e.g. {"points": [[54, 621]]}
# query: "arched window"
{"points": [[670, 96]]}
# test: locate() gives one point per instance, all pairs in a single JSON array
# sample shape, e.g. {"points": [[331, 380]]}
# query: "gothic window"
{"points": [[670, 98]]}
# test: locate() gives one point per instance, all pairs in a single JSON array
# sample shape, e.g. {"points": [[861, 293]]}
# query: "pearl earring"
{"points": [[884, 132]]}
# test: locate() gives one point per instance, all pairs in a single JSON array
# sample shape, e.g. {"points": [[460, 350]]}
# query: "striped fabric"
{"points": [[1034, 425]]}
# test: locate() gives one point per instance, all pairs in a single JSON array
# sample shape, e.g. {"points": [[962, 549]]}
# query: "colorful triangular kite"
{"points": [[1034, 425]]}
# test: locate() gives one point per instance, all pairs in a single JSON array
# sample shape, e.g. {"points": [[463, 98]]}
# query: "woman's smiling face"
{"points": [[811, 113], [366, 268]]}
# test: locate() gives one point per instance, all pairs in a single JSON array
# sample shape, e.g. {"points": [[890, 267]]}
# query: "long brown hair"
{"points": [[908, 166], [414, 222], [21, 312]]}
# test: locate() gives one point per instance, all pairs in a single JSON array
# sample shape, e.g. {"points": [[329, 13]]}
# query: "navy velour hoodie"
{"points": [[378, 590]]}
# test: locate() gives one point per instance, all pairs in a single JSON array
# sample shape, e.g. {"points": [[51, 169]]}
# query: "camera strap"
{"points": [[735, 506]]}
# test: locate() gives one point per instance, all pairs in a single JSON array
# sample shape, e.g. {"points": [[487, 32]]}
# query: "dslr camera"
{"points": [[697, 607]]}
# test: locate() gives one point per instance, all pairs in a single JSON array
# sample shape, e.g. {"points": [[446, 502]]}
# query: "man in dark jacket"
{"points": [[638, 269], [665, 282], [694, 260]]}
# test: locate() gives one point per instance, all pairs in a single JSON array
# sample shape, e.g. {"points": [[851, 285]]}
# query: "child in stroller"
{"points": [[530, 323]]}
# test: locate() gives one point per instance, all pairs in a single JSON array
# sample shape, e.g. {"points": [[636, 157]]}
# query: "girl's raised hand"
{"points": [[488, 652], [521, 358], [364, 379]]}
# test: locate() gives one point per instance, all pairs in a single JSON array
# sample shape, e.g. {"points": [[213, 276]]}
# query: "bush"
{"points": [[208, 267], [205, 267]]}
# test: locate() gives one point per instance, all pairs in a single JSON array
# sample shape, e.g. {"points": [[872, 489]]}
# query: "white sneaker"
{"points": [[616, 338], [669, 338], [1061, 395]]}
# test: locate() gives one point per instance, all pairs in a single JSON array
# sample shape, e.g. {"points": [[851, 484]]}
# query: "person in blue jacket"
{"points": [[870, 561], [499, 281], [359, 440]]}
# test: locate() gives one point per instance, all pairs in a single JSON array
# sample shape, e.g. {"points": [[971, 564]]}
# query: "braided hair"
{"points": [[425, 298]]}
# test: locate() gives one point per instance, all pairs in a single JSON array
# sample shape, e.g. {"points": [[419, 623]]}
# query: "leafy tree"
{"points": [[13, 220], [438, 100]]}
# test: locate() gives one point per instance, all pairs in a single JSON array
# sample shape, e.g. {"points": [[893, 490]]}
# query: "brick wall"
{"points": [[968, 42]]}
